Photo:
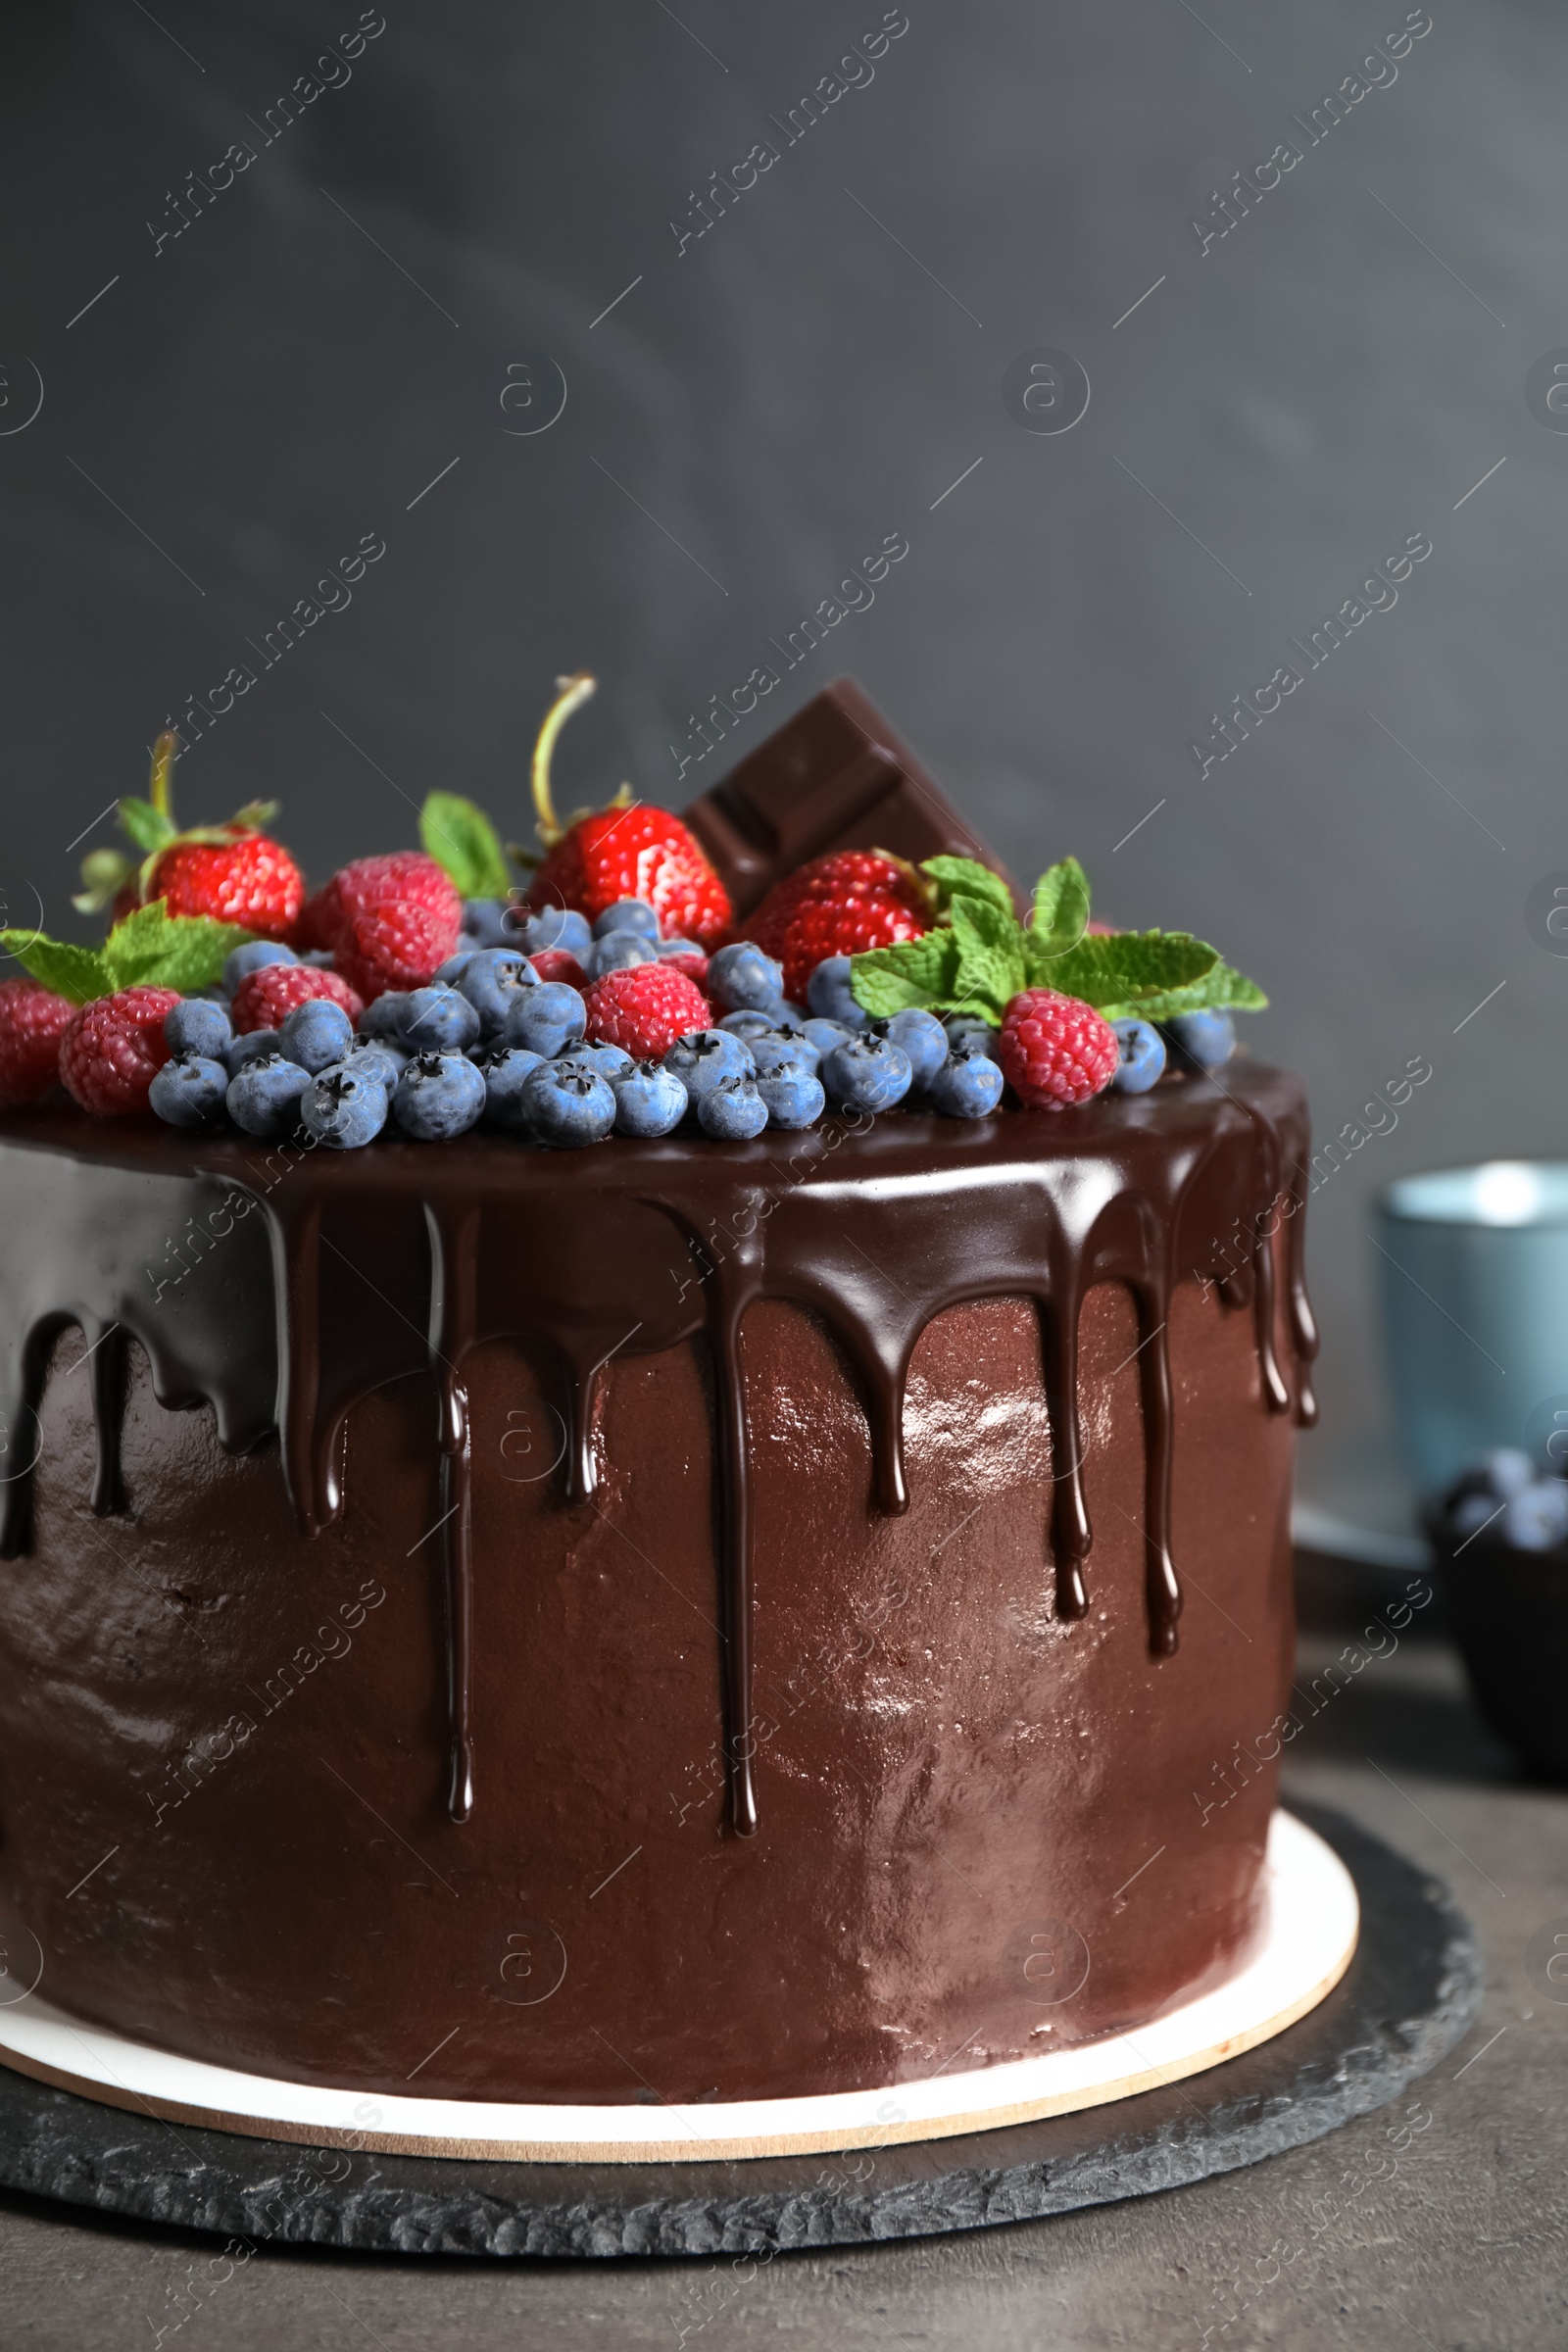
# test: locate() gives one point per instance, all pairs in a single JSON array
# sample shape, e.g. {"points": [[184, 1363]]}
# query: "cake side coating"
{"points": [[805, 1641]]}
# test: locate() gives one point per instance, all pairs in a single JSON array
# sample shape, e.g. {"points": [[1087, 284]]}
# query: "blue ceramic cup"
{"points": [[1473, 1265]]}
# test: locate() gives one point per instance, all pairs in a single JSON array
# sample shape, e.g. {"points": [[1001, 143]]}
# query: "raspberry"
{"points": [[264, 999], [558, 963], [389, 922], [32, 1021], [250, 881], [841, 905], [694, 966], [397, 944], [643, 1010], [113, 1048], [1055, 1050]]}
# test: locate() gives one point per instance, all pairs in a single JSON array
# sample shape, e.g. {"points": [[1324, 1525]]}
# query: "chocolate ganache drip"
{"points": [[280, 1288]]}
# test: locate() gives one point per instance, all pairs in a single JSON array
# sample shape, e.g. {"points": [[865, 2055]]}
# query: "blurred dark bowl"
{"points": [[1508, 1613]]}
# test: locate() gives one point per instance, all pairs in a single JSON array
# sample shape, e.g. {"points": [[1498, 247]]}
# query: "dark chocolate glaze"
{"points": [[878, 1226]]}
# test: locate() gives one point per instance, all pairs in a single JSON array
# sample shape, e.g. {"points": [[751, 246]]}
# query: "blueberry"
{"points": [[446, 975], [869, 1073], [1201, 1041], [649, 1100], [550, 927], [484, 923], [439, 1096], [196, 1026], [922, 1037], [490, 980], [792, 1093], [344, 1108], [1536, 1519], [1471, 1513], [966, 1086], [544, 1018], [627, 915], [823, 1035], [255, 1046], [264, 1098], [568, 1105], [191, 1092], [829, 993], [744, 979], [252, 957], [618, 952], [375, 1058], [702, 1056], [385, 1016], [504, 1070], [439, 1020], [316, 1034], [1507, 1471], [747, 1024], [668, 948], [777, 1053], [968, 1033], [1142, 1056], [733, 1109], [611, 1062]]}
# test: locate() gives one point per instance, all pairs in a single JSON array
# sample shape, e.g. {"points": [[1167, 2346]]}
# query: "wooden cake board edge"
{"points": [[1302, 1865]]}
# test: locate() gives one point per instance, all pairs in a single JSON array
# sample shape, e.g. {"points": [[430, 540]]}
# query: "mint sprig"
{"points": [[978, 955], [150, 949], [464, 844]]}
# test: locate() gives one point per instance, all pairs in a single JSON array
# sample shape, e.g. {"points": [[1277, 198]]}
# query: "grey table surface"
{"points": [[1439, 2222]]}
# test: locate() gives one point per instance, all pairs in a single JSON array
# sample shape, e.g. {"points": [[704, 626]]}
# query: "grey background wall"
{"points": [[323, 352]]}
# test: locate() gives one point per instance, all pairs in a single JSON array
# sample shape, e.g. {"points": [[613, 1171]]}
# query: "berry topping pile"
{"points": [[422, 992]]}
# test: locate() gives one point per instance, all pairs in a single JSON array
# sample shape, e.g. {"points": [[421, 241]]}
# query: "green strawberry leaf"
{"points": [[991, 957], [915, 972], [154, 948], [964, 877], [149, 828], [1060, 916], [462, 840], [79, 973]]}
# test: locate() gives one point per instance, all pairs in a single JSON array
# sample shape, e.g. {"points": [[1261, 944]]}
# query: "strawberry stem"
{"points": [[570, 695], [165, 753]]}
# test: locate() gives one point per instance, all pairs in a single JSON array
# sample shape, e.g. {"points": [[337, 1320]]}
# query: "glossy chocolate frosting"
{"points": [[678, 1620]]}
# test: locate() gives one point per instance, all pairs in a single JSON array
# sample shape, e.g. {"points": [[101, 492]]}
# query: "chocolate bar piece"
{"points": [[833, 777]]}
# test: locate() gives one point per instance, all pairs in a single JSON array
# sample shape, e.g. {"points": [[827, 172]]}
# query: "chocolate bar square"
{"points": [[833, 777]]}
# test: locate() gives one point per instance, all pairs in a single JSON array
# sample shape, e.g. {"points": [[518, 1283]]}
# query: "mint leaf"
{"points": [[78, 973], [1221, 990], [965, 877], [462, 840], [1130, 972], [154, 948], [1060, 916], [149, 827], [915, 972], [991, 957]]}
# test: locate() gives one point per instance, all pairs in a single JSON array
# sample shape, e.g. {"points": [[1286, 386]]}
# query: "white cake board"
{"points": [[1306, 1937]]}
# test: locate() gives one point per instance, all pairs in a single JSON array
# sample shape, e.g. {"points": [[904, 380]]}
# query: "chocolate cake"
{"points": [[676, 1621]]}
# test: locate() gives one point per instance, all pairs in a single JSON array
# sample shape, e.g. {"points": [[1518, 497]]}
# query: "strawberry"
{"points": [[841, 905], [32, 1021], [627, 851], [264, 999], [1055, 1050], [643, 1010], [111, 1049], [233, 873]]}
